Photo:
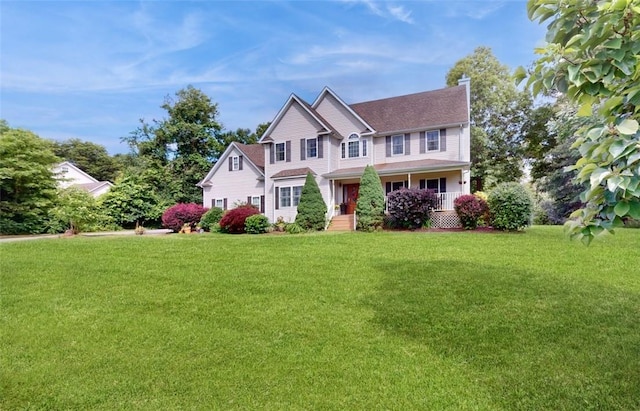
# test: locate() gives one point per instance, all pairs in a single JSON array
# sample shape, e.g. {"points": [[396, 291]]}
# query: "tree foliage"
{"points": [[76, 210], [592, 57], [370, 206], [510, 206], [233, 221], [312, 210], [176, 216], [498, 115], [90, 157], [27, 184], [132, 201], [182, 146]]}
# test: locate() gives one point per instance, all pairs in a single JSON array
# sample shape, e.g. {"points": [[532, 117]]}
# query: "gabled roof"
{"points": [[92, 187], [254, 152], [330, 92], [254, 158], [71, 165], [293, 99], [417, 111]]}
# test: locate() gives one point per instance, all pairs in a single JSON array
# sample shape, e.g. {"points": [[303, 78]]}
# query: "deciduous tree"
{"points": [[27, 184], [592, 57], [90, 157]]}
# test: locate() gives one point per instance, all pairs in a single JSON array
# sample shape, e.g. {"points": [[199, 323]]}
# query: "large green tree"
{"points": [[184, 144], [92, 158], [592, 56], [27, 184], [132, 201], [498, 114], [370, 207], [312, 210]]}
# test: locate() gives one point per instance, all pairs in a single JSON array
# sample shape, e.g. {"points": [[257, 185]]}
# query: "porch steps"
{"points": [[341, 223]]}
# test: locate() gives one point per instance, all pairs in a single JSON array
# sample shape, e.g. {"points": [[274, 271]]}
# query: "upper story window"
{"points": [[433, 140], [397, 145], [312, 148], [280, 152], [235, 163], [354, 147], [64, 169]]}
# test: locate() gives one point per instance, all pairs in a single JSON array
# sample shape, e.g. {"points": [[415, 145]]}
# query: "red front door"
{"points": [[351, 197]]}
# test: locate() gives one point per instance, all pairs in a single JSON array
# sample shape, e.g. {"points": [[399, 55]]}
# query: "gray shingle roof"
{"points": [[415, 111], [255, 153]]}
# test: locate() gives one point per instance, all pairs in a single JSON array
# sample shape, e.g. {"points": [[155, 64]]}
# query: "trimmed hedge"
{"points": [[256, 224]]}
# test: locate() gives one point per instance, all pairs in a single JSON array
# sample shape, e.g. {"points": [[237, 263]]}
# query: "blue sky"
{"points": [[92, 69]]}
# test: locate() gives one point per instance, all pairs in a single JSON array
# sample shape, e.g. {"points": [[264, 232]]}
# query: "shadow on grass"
{"points": [[534, 340]]}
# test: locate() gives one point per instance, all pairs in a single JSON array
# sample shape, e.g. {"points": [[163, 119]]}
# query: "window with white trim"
{"points": [[255, 201], [433, 140], [280, 152], [397, 145], [312, 147], [235, 163], [290, 196], [219, 202], [354, 147], [65, 169]]}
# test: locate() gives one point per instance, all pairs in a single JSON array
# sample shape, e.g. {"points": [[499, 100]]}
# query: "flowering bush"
{"points": [[470, 209], [175, 217], [409, 208], [233, 221]]}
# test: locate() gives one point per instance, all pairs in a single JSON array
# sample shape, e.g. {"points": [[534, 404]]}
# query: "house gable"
{"points": [[252, 156], [341, 116], [289, 117]]}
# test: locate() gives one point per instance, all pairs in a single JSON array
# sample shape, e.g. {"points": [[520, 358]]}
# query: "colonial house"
{"points": [[69, 175], [418, 140]]}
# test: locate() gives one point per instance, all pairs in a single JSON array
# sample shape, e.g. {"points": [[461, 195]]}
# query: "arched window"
{"points": [[354, 147]]}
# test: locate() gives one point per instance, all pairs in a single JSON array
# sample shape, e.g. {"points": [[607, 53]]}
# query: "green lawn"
{"points": [[398, 321]]}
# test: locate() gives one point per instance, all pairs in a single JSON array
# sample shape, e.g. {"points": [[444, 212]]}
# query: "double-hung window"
{"points": [[397, 145], [280, 152], [255, 201], [312, 148], [433, 140], [235, 163], [219, 202], [354, 147], [290, 196]]}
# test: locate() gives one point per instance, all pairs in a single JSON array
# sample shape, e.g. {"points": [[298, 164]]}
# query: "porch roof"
{"points": [[404, 167]]}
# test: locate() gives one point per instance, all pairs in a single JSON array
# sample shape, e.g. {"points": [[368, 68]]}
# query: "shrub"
{"points": [[175, 217], [256, 224], [510, 206], [234, 220], [210, 218], [294, 228], [312, 210], [370, 207], [409, 208], [470, 209]]}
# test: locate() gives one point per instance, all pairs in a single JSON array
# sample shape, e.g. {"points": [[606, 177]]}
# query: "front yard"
{"points": [[393, 320]]}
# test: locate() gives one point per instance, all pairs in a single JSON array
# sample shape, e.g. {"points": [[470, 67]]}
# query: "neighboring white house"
{"points": [[69, 175], [418, 140]]}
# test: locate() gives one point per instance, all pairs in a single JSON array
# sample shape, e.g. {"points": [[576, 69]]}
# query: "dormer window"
{"points": [[354, 147]]}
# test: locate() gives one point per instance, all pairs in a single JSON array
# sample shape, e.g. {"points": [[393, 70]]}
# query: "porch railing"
{"points": [[445, 201]]}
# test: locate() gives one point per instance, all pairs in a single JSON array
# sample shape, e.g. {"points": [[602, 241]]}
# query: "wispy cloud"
{"points": [[386, 10], [477, 10]]}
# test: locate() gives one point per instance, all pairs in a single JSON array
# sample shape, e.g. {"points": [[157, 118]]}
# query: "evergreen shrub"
{"points": [[370, 206], [175, 217], [312, 210], [210, 218], [256, 224], [233, 221], [470, 209], [410, 207], [510, 206]]}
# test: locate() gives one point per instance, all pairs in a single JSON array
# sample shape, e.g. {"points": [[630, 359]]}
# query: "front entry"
{"points": [[351, 196]]}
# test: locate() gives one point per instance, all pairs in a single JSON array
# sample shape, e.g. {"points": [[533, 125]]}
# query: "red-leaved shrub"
{"points": [[233, 220], [469, 209], [175, 217], [410, 207]]}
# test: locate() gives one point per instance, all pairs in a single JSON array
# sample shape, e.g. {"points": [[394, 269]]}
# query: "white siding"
{"points": [[452, 152], [72, 176], [235, 186], [338, 116]]}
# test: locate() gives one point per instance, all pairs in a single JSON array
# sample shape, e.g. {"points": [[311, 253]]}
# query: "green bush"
{"points": [[256, 224], [210, 218], [312, 210], [294, 228], [510, 206], [370, 207]]}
